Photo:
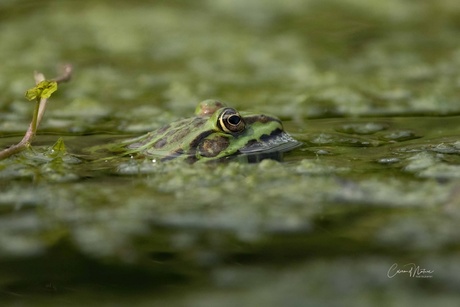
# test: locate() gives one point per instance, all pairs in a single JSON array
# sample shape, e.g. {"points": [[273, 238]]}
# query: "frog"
{"points": [[216, 133]]}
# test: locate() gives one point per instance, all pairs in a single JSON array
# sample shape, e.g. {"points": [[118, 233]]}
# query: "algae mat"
{"points": [[365, 212]]}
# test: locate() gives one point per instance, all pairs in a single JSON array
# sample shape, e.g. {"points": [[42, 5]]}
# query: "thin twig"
{"points": [[65, 75]]}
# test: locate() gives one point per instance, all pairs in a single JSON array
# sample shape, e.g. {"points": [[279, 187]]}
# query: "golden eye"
{"points": [[230, 121]]}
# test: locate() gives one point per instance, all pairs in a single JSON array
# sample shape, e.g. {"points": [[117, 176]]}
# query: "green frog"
{"points": [[215, 133]]}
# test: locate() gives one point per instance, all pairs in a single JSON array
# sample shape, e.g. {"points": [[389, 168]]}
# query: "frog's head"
{"points": [[215, 133], [224, 132]]}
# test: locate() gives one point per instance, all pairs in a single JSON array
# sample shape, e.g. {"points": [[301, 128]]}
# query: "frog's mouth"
{"points": [[270, 146]]}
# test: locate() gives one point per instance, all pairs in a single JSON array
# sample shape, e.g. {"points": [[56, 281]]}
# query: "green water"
{"points": [[370, 87]]}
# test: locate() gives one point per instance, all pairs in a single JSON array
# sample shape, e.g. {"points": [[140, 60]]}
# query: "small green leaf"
{"points": [[58, 149], [59, 145], [43, 89]]}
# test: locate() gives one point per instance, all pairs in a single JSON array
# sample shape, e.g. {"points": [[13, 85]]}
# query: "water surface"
{"points": [[370, 88]]}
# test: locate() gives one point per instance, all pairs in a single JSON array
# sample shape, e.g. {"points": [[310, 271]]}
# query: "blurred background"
{"points": [[308, 232]]}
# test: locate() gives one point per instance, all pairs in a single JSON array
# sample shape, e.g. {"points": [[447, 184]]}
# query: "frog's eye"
{"points": [[230, 121]]}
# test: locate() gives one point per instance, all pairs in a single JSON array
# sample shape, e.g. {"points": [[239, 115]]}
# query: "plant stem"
{"points": [[39, 111]]}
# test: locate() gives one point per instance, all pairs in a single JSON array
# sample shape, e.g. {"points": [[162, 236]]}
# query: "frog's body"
{"points": [[215, 133]]}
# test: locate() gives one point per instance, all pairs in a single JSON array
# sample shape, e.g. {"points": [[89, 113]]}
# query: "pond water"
{"points": [[364, 213]]}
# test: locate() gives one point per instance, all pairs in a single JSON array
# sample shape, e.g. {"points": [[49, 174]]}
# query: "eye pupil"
{"points": [[230, 121], [234, 119]]}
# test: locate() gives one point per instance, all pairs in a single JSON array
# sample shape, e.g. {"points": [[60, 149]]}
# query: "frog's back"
{"points": [[172, 140]]}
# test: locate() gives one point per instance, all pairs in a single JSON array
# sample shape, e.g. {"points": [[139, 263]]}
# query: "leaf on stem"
{"points": [[44, 89]]}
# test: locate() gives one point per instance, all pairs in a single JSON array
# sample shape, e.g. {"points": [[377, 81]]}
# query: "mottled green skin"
{"points": [[202, 138]]}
